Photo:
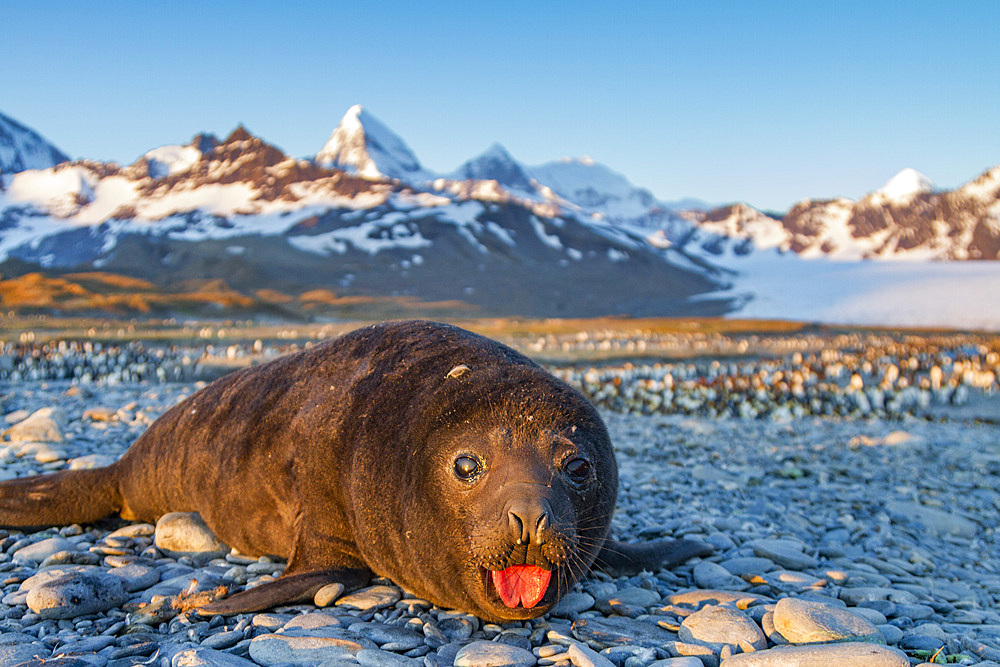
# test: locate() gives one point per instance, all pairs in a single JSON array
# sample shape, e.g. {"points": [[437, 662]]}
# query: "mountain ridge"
{"points": [[23, 148], [364, 220]]}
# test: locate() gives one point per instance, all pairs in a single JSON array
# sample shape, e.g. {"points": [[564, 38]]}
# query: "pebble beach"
{"points": [[847, 530]]}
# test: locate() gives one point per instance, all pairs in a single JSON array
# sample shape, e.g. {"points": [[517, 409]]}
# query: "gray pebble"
{"points": [[747, 565], [39, 551], [275, 649], [492, 654], [784, 553], [375, 658], [717, 626], [76, 595], [935, 521], [678, 662], [206, 657], [181, 534], [222, 640], [803, 622], [712, 575], [136, 576], [327, 594], [373, 597], [389, 637], [920, 642], [601, 633], [849, 654], [12, 654], [572, 604], [891, 633]]}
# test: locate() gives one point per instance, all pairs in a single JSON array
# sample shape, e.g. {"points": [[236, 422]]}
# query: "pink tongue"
{"points": [[521, 583]]}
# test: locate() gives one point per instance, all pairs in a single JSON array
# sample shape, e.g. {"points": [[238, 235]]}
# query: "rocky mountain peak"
{"points": [[903, 187], [23, 148], [495, 164], [361, 144]]}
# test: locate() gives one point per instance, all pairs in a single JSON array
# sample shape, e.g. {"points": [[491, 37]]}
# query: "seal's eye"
{"points": [[467, 467], [578, 469]]}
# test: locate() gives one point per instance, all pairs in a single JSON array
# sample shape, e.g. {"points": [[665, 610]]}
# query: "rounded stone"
{"points": [[747, 565], [370, 657], [583, 656], [222, 640], [373, 597], [788, 580], [326, 595], [203, 656], [298, 649], [313, 621], [936, 522], [13, 654], [180, 534], [493, 654], [635, 596], [618, 630], [686, 661], [712, 575], [784, 553], [90, 461], [891, 633], [856, 595], [572, 604], [804, 622], [716, 626], [136, 576], [849, 654], [39, 551], [76, 595], [389, 637], [41, 426], [50, 573], [696, 599]]}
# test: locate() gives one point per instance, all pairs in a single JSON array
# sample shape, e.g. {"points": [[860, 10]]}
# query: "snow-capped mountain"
{"points": [[278, 228], [22, 148], [907, 218], [495, 164], [364, 223], [362, 145], [902, 188]]}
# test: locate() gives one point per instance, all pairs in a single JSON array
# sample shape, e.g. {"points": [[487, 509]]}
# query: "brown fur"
{"points": [[340, 459]]}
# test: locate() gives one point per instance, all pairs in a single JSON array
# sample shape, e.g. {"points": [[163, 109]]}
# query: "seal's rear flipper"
{"points": [[625, 559], [59, 499], [287, 589]]}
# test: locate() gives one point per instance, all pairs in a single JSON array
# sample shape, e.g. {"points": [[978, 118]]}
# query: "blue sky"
{"points": [[764, 102]]}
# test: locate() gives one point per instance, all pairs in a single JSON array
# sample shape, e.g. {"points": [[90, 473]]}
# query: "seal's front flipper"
{"points": [[287, 589], [625, 558]]}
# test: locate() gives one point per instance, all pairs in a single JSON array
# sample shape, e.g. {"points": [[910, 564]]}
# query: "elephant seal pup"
{"points": [[445, 461]]}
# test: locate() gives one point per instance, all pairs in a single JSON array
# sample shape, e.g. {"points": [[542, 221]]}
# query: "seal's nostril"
{"points": [[518, 527], [540, 527]]}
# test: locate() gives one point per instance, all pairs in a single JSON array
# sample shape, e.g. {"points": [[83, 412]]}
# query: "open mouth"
{"points": [[521, 585]]}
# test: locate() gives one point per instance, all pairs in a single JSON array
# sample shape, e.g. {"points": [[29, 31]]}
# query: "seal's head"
{"points": [[534, 515], [524, 485]]}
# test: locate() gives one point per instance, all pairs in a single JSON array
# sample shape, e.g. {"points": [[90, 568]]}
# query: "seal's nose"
{"points": [[528, 519]]}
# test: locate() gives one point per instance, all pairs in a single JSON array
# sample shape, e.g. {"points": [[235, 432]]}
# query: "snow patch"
{"points": [[903, 187], [551, 240], [501, 233], [369, 237], [170, 160]]}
